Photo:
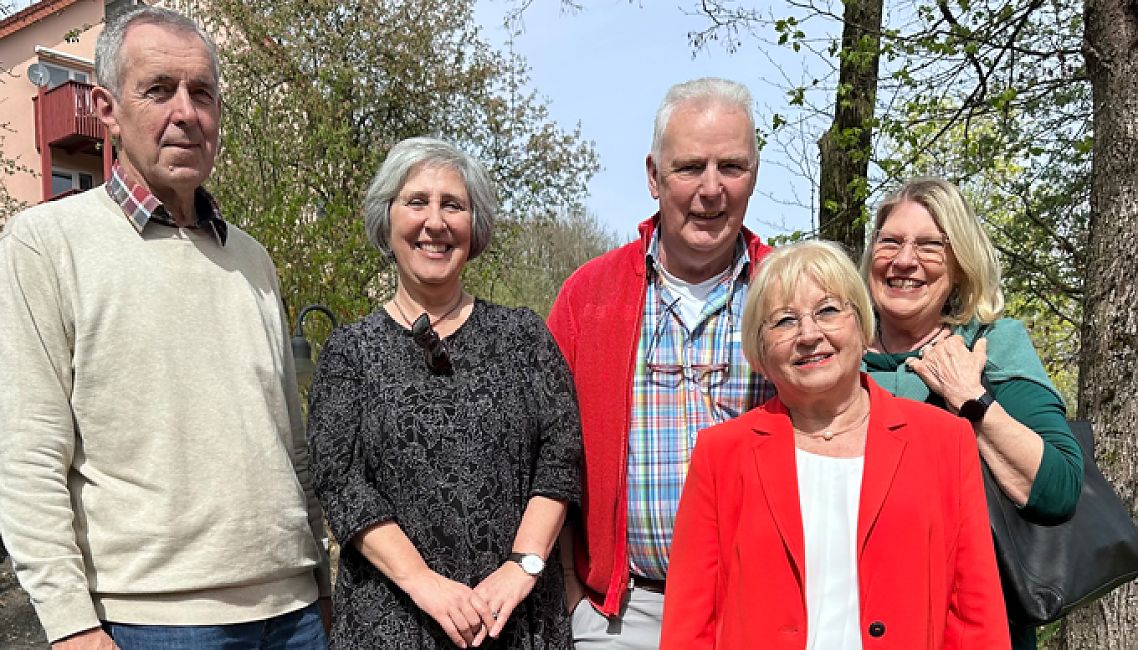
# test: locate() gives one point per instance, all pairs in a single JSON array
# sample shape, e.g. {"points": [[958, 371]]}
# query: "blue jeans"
{"points": [[299, 630]]}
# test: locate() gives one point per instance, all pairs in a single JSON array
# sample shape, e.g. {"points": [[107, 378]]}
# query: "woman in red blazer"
{"points": [[834, 516]]}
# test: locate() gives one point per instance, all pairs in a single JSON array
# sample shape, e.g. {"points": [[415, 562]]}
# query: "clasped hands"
{"points": [[469, 615]]}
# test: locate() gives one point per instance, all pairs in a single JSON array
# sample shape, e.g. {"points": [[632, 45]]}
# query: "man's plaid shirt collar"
{"points": [[141, 207], [741, 264]]}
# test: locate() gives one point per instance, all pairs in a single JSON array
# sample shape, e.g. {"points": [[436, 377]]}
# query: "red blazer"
{"points": [[596, 322], [926, 569]]}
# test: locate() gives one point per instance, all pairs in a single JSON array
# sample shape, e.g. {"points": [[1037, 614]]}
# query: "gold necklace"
{"points": [[829, 434], [461, 297]]}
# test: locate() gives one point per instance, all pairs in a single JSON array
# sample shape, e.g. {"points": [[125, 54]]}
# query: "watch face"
{"points": [[532, 564], [974, 409]]}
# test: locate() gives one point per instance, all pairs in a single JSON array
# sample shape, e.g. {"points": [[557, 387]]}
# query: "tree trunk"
{"points": [[845, 149], [1108, 367]]}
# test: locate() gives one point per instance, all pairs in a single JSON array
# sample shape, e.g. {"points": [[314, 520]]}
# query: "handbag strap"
{"points": [[1084, 434]]}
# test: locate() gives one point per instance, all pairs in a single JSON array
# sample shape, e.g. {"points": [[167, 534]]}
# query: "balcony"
{"points": [[66, 115]]}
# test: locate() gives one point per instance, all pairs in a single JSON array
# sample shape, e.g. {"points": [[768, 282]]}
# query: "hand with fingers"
{"points": [[503, 590], [461, 612], [951, 370], [93, 639]]}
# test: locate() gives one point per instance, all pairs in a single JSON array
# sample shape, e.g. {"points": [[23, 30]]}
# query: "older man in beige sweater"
{"points": [[154, 484]]}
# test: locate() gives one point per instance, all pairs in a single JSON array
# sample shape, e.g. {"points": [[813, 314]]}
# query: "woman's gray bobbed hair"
{"points": [[416, 153]]}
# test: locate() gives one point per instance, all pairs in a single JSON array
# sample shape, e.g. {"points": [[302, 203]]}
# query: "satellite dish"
{"points": [[39, 74]]}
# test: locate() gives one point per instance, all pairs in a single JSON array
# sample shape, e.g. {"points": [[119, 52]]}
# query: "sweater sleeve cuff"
{"points": [[67, 614], [356, 509], [1053, 494]]}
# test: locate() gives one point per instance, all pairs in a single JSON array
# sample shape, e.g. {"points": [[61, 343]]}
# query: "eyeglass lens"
{"points": [[926, 248], [827, 316]]}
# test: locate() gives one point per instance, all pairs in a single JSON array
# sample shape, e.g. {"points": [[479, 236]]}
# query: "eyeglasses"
{"points": [[829, 316], [705, 375], [434, 350], [927, 249], [712, 374]]}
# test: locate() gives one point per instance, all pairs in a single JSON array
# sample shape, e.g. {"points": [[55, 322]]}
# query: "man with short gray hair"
{"points": [[154, 482], [651, 332]]}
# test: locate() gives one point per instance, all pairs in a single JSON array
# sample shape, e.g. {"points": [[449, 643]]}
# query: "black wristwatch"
{"points": [[531, 563], [974, 410]]}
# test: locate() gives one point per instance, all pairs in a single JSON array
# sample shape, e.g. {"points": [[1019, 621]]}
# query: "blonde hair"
{"points": [[977, 292], [781, 271]]}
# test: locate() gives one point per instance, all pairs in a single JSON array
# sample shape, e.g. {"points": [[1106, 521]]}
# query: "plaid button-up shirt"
{"points": [[685, 380], [141, 206]]}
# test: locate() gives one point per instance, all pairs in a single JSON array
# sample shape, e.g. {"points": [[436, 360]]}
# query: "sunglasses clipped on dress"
{"points": [[434, 350]]}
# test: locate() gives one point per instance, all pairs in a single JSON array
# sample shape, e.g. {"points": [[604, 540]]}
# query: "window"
{"points": [[63, 180], [60, 75]]}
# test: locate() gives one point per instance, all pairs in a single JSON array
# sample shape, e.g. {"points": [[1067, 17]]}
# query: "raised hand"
{"points": [[951, 370]]}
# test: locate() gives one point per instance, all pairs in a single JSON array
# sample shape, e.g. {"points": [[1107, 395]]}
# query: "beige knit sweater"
{"points": [[153, 467]]}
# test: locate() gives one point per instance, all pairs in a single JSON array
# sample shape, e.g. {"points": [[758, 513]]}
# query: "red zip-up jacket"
{"points": [[596, 322]]}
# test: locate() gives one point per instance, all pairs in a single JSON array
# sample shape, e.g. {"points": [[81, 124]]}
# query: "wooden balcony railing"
{"points": [[67, 115]]}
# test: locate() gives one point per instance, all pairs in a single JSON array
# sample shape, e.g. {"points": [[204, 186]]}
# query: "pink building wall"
{"points": [[81, 19]]}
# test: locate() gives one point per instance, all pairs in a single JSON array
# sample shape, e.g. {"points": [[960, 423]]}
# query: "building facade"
{"points": [[49, 127]]}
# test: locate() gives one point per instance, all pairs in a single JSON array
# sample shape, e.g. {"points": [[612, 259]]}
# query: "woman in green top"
{"points": [[935, 282]]}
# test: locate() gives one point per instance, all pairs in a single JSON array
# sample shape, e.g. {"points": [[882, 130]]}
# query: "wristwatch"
{"points": [[974, 409], [531, 563]]}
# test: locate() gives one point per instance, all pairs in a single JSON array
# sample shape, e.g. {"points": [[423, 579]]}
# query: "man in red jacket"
{"points": [[651, 332]]}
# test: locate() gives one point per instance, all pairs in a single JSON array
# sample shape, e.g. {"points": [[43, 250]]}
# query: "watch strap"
{"points": [[974, 410]]}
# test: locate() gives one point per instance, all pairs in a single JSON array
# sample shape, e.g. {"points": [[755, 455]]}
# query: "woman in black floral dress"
{"points": [[444, 434]]}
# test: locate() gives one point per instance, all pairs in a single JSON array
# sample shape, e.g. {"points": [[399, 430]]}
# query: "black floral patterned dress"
{"points": [[453, 459]]}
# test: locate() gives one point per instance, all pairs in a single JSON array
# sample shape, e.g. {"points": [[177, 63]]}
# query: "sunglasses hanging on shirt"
{"points": [[434, 350]]}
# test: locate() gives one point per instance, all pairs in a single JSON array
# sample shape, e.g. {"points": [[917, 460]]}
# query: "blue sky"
{"points": [[609, 65]]}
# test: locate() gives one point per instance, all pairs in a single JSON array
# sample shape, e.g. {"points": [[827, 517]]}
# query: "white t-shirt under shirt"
{"points": [[692, 297], [829, 490]]}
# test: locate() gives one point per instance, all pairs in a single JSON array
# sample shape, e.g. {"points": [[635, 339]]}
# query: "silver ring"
{"points": [[494, 615]]}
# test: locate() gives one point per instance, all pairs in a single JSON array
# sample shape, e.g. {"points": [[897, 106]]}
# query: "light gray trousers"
{"points": [[637, 627]]}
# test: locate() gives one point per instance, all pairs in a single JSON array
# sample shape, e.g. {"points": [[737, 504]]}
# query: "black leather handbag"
{"points": [[1049, 570]]}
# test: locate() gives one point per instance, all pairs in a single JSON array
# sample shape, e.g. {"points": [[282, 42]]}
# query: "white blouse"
{"points": [[829, 490]]}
